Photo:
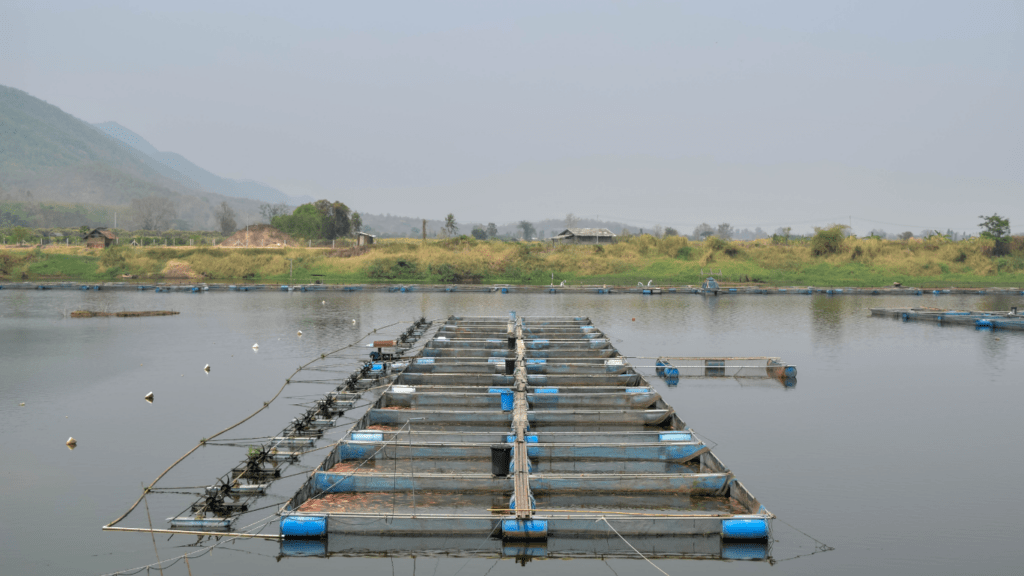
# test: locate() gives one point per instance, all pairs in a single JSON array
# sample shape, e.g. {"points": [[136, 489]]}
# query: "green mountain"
{"points": [[47, 155], [190, 175]]}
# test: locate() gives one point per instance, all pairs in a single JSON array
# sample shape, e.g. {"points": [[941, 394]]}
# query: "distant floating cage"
{"points": [[1008, 320], [671, 369]]}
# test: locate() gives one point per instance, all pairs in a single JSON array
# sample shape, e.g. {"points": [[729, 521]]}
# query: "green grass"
{"points": [[64, 266]]}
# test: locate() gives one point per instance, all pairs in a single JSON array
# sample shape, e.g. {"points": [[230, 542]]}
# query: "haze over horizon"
{"points": [[899, 116]]}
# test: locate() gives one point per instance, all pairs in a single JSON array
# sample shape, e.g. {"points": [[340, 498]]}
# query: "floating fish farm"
{"points": [[1009, 320], [525, 437]]}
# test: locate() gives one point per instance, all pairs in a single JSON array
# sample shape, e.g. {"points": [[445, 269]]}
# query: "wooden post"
{"points": [[424, 229]]}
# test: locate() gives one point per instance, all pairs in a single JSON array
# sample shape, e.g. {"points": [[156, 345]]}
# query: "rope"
{"points": [[175, 560], [633, 547], [239, 423], [478, 548], [820, 546]]}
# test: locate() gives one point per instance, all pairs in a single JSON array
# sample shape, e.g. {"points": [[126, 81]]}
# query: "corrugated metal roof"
{"points": [[586, 232]]}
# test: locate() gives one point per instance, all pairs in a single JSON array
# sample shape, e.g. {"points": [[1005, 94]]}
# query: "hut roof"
{"points": [[570, 232], [102, 232]]}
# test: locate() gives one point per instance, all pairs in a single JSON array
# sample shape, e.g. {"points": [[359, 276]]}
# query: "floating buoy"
{"points": [[323, 302], [22, 404], [205, 368], [72, 442], [149, 397], [256, 346], [300, 332], [353, 320], [634, 319]]}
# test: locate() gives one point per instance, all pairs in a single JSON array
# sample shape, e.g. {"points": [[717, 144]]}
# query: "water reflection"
{"points": [[827, 317]]}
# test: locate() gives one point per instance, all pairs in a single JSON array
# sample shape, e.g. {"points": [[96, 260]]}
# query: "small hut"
{"points": [[364, 239], [99, 238]]}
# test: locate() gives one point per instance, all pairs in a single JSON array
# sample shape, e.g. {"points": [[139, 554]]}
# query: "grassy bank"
{"points": [[672, 260]]}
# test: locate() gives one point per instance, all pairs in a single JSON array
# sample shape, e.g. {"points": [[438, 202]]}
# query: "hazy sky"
{"points": [[901, 115]]}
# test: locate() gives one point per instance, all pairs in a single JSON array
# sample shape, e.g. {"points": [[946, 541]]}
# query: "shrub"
{"points": [[456, 274], [671, 245], [390, 269], [731, 249], [714, 243], [827, 241]]}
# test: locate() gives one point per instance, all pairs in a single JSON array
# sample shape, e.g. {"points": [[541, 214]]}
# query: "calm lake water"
{"points": [[899, 446]]}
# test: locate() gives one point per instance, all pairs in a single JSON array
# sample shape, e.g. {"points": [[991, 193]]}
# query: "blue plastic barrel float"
{"points": [[524, 529], [304, 526], [744, 528]]}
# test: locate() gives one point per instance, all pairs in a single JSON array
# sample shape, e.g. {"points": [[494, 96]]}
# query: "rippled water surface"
{"points": [[899, 446]]}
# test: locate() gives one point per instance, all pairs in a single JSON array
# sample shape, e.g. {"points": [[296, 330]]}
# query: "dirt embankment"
{"points": [[138, 314], [258, 236], [179, 270]]}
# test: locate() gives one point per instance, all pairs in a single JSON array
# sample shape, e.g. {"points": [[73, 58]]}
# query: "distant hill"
{"points": [[49, 155], [192, 176], [389, 225]]}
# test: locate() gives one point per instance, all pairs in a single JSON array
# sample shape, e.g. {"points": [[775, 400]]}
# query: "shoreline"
{"points": [[199, 287]]}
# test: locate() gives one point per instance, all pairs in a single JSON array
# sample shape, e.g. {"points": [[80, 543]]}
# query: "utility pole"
{"points": [[424, 229]]}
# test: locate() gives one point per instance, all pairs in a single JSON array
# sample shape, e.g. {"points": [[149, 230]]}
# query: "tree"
{"points": [[19, 234], [11, 219], [83, 229], [334, 219], [724, 231], [451, 227], [225, 217], [356, 222], [878, 233], [658, 232], [152, 212], [271, 211], [492, 230], [703, 231], [998, 229], [571, 221], [305, 222], [479, 233], [528, 230], [670, 231]]}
